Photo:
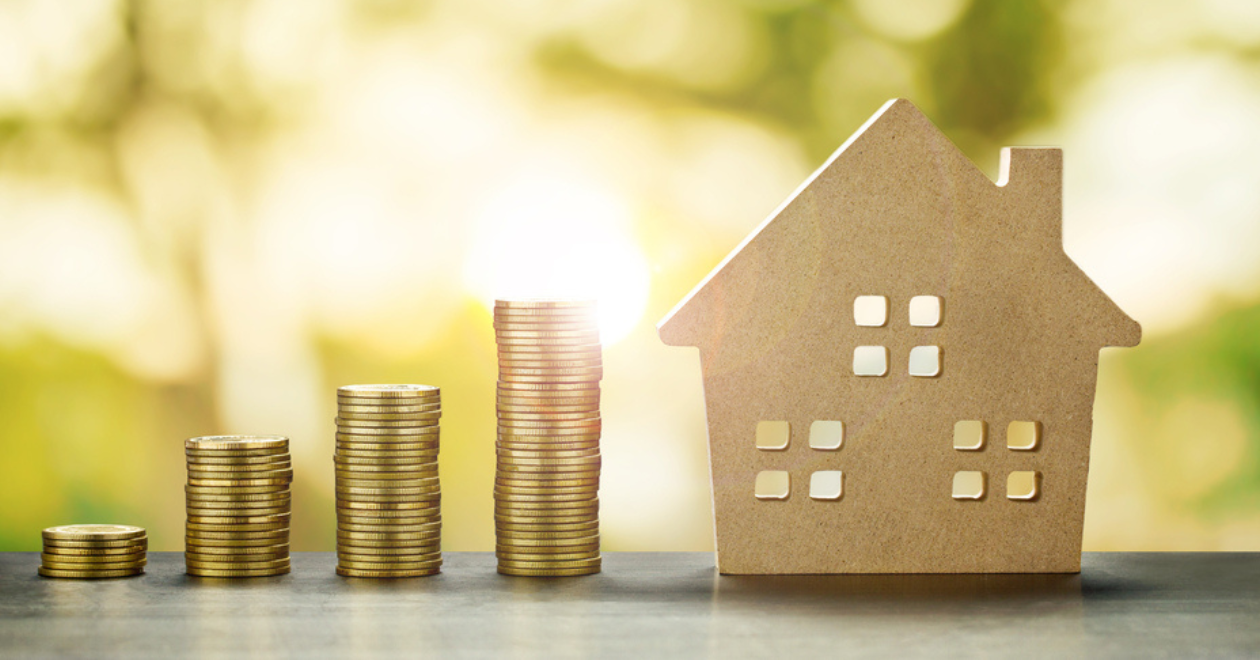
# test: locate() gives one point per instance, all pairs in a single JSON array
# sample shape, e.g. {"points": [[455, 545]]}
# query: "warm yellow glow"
{"points": [[553, 236]]}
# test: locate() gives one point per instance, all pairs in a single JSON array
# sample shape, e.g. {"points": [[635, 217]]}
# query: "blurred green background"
{"points": [[213, 213]]}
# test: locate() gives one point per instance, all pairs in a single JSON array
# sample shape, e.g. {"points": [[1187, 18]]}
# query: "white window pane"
{"points": [[870, 311], [772, 485], [925, 311], [968, 485], [870, 361], [925, 361], [826, 435], [773, 435], [826, 485]]}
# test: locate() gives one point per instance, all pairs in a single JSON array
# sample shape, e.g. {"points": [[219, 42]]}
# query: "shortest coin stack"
{"points": [[94, 551], [238, 506]]}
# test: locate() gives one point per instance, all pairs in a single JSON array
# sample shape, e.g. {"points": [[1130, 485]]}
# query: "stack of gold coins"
{"points": [[93, 551], [238, 505], [389, 502], [546, 493]]}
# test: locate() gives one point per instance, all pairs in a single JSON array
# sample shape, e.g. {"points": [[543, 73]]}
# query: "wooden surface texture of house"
{"points": [[899, 366]]}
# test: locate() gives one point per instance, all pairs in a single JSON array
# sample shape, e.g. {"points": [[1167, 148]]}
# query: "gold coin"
{"points": [[233, 551], [519, 358], [541, 303], [94, 566], [554, 572], [520, 345], [58, 573], [237, 442], [547, 472], [375, 515], [241, 483], [245, 517], [512, 410], [522, 433], [522, 404], [516, 518], [357, 563], [546, 499], [545, 539], [232, 573], [348, 526], [543, 443], [552, 363], [373, 574], [405, 460], [522, 484], [431, 433], [278, 465], [142, 542], [278, 533], [548, 557], [587, 425], [421, 418], [572, 563], [385, 450], [367, 457], [55, 557], [236, 560], [523, 552], [92, 532], [507, 504], [121, 551], [237, 453], [384, 479], [388, 407], [549, 389], [550, 374], [242, 528], [406, 423], [389, 552], [545, 452], [540, 416], [402, 505], [389, 391], [386, 537], [385, 466], [267, 490], [238, 461], [591, 527], [419, 487], [587, 459], [389, 549], [244, 564], [249, 541], [431, 499], [250, 508]]}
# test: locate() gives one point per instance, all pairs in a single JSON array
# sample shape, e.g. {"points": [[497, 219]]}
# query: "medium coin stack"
{"points": [[389, 502], [238, 506], [546, 502], [94, 551]]}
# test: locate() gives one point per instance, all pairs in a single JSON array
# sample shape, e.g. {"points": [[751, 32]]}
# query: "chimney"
{"points": [[1032, 179]]}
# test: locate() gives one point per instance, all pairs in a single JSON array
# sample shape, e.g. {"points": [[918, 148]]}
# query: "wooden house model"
{"points": [[899, 366]]}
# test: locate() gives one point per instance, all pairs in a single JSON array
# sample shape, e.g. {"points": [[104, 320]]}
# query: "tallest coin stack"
{"points": [[546, 505]]}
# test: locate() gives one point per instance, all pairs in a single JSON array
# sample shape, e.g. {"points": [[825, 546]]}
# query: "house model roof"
{"points": [[898, 197]]}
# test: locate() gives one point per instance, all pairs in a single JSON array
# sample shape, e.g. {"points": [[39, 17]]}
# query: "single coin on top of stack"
{"points": [[546, 493], [389, 501], [239, 505], [94, 551]]}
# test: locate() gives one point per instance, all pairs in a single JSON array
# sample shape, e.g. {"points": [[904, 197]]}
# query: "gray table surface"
{"points": [[644, 605]]}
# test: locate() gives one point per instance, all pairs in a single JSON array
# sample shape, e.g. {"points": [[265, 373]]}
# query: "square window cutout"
{"points": [[826, 485], [969, 435], [870, 311], [1023, 485], [1023, 436], [925, 361], [925, 311], [826, 435], [870, 361], [772, 436], [772, 485], [968, 485]]}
